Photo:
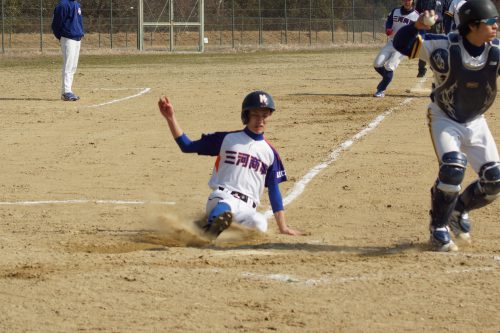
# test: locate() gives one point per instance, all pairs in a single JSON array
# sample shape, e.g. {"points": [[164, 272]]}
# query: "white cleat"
{"points": [[460, 225], [441, 241]]}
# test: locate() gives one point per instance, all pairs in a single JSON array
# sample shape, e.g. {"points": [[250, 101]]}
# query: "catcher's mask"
{"points": [[256, 100]]}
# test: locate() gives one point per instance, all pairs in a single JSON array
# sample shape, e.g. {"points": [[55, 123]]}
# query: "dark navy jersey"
{"points": [[464, 75], [464, 90], [67, 20]]}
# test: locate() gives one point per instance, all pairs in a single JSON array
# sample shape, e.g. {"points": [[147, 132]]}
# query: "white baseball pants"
{"points": [[243, 212], [388, 57], [71, 51], [473, 138]]}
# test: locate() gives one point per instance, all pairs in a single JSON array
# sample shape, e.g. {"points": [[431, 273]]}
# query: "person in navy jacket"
{"points": [[67, 26]]}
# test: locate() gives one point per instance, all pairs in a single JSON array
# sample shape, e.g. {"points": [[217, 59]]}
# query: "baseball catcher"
{"points": [[466, 67]]}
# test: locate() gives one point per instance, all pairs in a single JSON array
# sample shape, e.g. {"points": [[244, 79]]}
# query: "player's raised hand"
{"points": [[426, 20], [166, 107]]}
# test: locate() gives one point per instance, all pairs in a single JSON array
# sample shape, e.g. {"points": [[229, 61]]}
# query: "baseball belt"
{"points": [[241, 196]]}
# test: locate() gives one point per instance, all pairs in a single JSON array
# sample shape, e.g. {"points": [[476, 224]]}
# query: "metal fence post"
{"points": [[310, 22], [3, 27], [232, 23], [286, 25], [260, 24], [353, 27], [111, 23], [171, 28], [99, 30], [373, 22], [41, 25], [333, 24], [140, 26]]}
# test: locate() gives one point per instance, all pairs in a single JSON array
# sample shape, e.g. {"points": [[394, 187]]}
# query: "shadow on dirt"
{"points": [[360, 250], [29, 99]]}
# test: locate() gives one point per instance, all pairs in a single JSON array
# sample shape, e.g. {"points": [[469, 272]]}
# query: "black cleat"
{"points": [[219, 224]]}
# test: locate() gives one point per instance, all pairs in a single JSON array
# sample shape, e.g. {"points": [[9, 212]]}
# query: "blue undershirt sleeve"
{"points": [[390, 20], [186, 145], [275, 197]]}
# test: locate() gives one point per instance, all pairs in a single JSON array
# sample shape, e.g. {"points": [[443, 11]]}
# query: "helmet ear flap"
{"points": [[244, 117]]}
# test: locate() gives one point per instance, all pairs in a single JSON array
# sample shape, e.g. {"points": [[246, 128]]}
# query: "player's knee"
{"points": [[489, 176], [220, 208], [452, 171], [254, 221], [260, 222], [388, 72], [380, 69]]}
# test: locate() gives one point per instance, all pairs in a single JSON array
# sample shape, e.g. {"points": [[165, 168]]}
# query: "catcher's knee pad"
{"points": [[451, 171], [489, 179]]}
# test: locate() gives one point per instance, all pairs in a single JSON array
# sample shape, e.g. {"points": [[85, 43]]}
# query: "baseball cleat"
{"points": [[441, 241], [460, 225], [379, 94], [69, 97], [219, 224]]}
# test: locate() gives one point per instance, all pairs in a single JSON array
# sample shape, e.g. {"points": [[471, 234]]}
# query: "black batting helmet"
{"points": [[475, 10], [256, 100]]}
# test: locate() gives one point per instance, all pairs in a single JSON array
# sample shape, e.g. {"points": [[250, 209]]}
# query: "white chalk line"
{"points": [[85, 201], [355, 278], [300, 186], [142, 92]]}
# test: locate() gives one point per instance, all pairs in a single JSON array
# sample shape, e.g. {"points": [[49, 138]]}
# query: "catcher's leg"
{"points": [[480, 193], [444, 195]]}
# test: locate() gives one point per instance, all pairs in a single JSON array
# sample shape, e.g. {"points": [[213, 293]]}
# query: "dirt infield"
{"points": [[95, 198]]}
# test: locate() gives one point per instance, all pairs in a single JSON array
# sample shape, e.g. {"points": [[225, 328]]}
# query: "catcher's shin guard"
{"points": [[483, 191], [445, 191]]}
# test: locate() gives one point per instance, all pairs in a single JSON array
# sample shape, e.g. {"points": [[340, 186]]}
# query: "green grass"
{"points": [[136, 58]]}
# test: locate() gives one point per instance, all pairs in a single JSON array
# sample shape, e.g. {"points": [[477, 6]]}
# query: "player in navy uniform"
{"points": [[67, 26], [245, 164], [452, 12], [388, 58], [465, 66]]}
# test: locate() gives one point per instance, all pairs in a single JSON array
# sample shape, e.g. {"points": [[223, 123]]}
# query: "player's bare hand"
{"points": [[166, 107], [426, 20], [292, 232]]}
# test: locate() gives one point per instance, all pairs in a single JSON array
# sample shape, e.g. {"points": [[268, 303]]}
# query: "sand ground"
{"points": [[123, 257]]}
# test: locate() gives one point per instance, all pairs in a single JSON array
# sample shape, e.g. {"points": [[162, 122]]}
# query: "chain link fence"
{"points": [[260, 23]]}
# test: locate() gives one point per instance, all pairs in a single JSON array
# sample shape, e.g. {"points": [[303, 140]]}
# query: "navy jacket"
{"points": [[67, 21]]}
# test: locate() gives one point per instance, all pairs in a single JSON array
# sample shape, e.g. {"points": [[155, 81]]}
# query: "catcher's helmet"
{"points": [[256, 100], [475, 10]]}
